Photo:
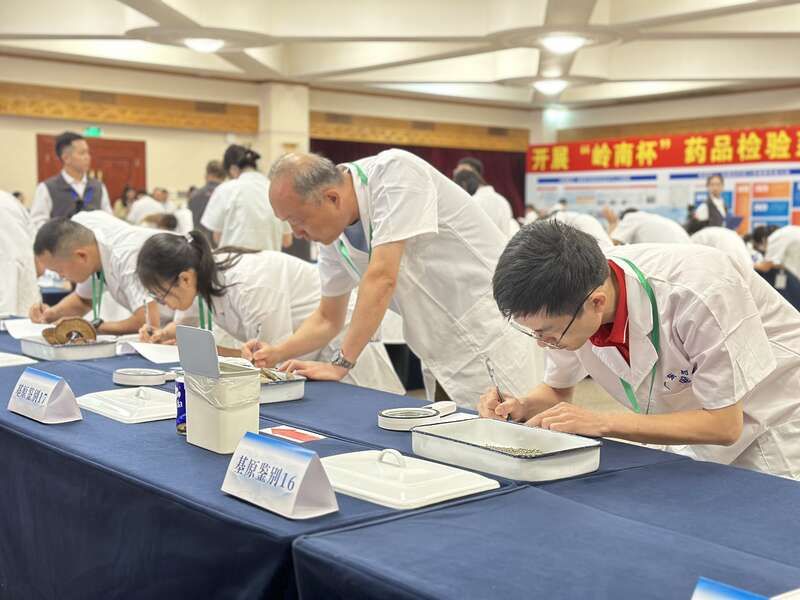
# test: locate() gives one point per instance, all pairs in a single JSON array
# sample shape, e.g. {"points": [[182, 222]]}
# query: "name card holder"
{"points": [[44, 397], [280, 477]]}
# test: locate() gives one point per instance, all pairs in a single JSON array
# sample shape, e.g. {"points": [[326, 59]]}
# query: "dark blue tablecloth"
{"points": [[732, 507], [524, 544], [351, 413], [100, 509], [9, 344]]}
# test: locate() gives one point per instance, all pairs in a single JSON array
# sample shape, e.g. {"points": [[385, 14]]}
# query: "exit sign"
{"points": [[92, 131]]}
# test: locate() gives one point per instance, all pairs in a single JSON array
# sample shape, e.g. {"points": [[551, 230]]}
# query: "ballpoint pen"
{"points": [[490, 369]]}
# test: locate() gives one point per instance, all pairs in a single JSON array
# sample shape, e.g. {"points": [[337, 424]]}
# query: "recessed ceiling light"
{"points": [[550, 87], [563, 43], [206, 45]]}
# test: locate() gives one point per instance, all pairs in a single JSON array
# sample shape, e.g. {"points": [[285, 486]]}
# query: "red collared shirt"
{"points": [[616, 333]]}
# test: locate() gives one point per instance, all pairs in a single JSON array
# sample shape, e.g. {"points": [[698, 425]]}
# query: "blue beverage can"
{"points": [[180, 400]]}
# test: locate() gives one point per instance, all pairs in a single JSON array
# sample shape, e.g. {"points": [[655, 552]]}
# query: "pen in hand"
{"points": [[490, 369]]}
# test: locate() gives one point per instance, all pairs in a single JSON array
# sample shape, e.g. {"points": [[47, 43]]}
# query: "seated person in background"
{"points": [[165, 222], [144, 207], [198, 200], [124, 203], [257, 297], [702, 350], [469, 163], [19, 289], [780, 247], [71, 190], [726, 240], [585, 222], [493, 204], [640, 227], [239, 213], [96, 251]]}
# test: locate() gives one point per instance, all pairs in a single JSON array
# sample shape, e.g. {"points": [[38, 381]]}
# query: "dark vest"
{"points": [[66, 201], [715, 217]]}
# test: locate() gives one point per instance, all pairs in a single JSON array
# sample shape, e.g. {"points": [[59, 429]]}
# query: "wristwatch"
{"points": [[96, 323], [339, 360]]}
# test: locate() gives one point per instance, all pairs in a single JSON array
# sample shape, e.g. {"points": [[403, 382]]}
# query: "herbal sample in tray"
{"points": [[517, 452]]}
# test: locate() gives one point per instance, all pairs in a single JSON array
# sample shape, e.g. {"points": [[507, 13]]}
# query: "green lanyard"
{"points": [[98, 283], [205, 315], [341, 245], [655, 336]]}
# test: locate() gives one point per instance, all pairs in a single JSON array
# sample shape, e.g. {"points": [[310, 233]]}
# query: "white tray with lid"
{"points": [[283, 388], [464, 443], [38, 347], [131, 405], [390, 479]]}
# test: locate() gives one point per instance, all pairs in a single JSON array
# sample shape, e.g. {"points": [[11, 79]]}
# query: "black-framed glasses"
{"points": [[538, 337], [161, 299]]}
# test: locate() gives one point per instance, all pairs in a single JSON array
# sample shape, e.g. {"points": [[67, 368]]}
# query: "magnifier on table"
{"points": [[405, 419]]}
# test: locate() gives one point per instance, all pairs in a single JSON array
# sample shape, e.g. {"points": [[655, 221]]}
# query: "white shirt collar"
{"points": [[70, 179]]}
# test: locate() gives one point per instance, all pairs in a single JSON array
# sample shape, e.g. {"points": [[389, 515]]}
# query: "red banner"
{"points": [[655, 152]]}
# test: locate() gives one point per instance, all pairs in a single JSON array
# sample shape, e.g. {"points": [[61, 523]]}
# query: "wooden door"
{"points": [[116, 163]]}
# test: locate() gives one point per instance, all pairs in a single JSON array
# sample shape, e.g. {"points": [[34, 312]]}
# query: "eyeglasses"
{"points": [[161, 299], [538, 336]]}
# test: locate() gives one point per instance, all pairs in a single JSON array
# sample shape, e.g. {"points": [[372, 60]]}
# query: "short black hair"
{"points": [[60, 234], [65, 140], [240, 156], [762, 232], [473, 163], [713, 175], [168, 222], [627, 211], [547, 266], [469, 180]]}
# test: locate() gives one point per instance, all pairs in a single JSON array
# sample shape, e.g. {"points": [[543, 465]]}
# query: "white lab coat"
{"points": [[444, 290], [726, 336], [783, 248], [119, 244], [726, 240], [587, 224], [144, 207], [241, 212], [496, 208], [20, 289], [647, 228], [270, 295]]}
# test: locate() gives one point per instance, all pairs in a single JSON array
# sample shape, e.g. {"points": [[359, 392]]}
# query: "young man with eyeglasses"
{"points": [[71, 190], [702, 351], [97, 252]]}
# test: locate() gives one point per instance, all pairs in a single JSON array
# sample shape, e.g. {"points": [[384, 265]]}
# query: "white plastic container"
{"points": [[131, 405], [290, 387], [463, 443], [222, 395], [38, 347]]}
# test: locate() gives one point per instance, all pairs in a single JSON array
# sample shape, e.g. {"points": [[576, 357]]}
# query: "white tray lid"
{"points": [[197, 350], [131, 405], [390, 479]]}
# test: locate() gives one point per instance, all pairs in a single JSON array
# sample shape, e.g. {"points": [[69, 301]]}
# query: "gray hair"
{"points": [[309, 173]]}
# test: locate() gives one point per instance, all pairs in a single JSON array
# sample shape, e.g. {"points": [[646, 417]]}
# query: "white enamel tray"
{"points": [[390, 479], [463, 443], [290, 387], [37, 347]]}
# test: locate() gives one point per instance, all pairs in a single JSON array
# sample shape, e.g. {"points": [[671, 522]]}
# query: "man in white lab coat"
{"points": [[641, 227], [497, 208], [97, 252], [408, 237], [19, 289], [781, 250], [703, 351], [726, 240]]}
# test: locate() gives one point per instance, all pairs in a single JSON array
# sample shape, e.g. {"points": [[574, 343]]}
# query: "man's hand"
{"points": [[315, 370], [568, 418], [490, 406], [41, 313], [260, 354]]}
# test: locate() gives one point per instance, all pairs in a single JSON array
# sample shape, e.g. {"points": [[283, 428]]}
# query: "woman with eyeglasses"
{"points": [[259, 298]]}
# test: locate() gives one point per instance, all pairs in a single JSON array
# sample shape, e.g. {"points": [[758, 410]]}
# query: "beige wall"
{"points": [[175, 158]]}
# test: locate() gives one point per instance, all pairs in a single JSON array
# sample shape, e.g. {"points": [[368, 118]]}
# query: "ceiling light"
{"points": [[550, 87], [206, 45], [562, 44]]}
